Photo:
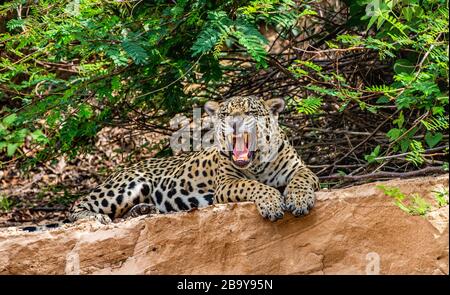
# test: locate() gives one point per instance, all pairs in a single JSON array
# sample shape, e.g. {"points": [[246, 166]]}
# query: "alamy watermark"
{"points": [[373, 263], [375, 6], [73, 8]]}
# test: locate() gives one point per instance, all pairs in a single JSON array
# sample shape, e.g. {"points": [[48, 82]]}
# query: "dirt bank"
{"points": [[357, 230]]}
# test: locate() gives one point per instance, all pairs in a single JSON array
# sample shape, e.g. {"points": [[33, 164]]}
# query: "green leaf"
{"points": [[309, 106], [39, 136], [331, 45], [53, 117], [373, 110], [419, 205], [404, 144], [394, 133], [441, 196], [400, 120], [342, 173], [9, 119], [435, 123], [373, 155], [11, 149], [402, 206], [218, 24], [403, 66], [135, 51], [408, 13], [380, 21], [383, 99], [415, 155], [438, 110], [115, 83], [433, 140], [371, 21], [393, 192], [249, 37], [85, 111], [15, 23]]}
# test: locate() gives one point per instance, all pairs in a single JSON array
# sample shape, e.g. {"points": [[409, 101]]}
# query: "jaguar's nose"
{"points": [[236, 123]]}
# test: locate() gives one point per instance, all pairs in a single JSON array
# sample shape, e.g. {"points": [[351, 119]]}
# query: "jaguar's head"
{"points": [[246, 128]]}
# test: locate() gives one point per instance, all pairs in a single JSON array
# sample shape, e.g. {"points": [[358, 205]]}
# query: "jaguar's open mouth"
{"points": [[242, 154]]}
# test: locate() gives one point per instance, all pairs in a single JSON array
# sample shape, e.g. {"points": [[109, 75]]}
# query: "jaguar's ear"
{"points": [[211, 107], [275, 105]]}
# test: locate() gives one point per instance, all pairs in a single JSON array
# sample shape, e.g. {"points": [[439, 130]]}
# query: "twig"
{"points": [[405, 154], [423, 171], [359, 144]]}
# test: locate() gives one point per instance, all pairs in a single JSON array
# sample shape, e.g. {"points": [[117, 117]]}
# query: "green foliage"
{"points": [[221, 29], [135, 51], [68, 68], [371, 158], [411, 40], [414, 204], [11, 139], [441, 197], [435, 123], [433, 139], [309, 106], [415, 155], [411, 204], [300, 68], [418, 205], [5, 203], [218, 25]]}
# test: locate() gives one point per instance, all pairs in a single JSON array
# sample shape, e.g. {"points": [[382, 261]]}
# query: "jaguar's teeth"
{"points": [[231, 139]]}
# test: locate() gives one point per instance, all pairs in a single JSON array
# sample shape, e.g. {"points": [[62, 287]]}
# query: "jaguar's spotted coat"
{"points": [[254, 168]]}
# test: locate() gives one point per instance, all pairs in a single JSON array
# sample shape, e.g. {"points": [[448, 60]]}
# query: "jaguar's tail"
{"points": [[33, 228]]}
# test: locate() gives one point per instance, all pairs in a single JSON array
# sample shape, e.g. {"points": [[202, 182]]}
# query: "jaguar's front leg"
{"points": [[299, 193], [268, 200]]}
